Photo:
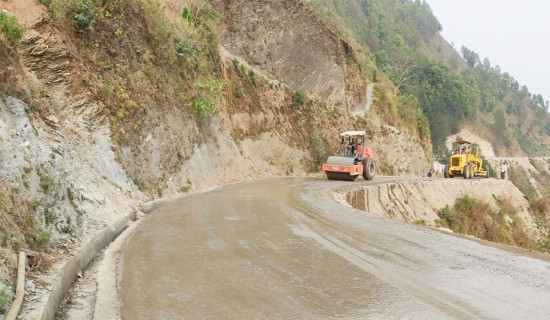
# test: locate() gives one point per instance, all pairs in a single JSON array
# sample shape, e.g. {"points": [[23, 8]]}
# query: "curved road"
{"points": [[284, 249]]}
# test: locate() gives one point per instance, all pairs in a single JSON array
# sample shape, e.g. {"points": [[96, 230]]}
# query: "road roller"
{"points": [[355, 159]]}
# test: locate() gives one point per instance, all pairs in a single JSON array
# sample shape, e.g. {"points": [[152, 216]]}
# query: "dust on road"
{"points": [[281, 248]]}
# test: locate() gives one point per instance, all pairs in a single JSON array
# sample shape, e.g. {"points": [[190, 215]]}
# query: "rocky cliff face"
{"points": [[288, 43], [60, 185]]}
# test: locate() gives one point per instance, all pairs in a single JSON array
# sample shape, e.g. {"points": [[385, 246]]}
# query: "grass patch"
{"points": [[5, 300], [520, 178], [298, 98], [540, 208], [46, 180], [12, 29], [475, 217], [187, 187]]}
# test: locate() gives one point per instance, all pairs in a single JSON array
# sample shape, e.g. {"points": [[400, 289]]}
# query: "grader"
{"points": [[465, 163]]}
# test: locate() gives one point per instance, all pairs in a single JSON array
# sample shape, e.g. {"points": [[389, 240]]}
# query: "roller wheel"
{"points": [[446, 171], [369, 169], [472, 171], [341, 176], [466, 172]]}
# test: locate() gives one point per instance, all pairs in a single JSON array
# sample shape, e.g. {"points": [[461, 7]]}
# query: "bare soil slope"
{"points": [[411, 201]]}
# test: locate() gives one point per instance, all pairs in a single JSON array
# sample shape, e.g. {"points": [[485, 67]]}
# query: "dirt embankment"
{"points": [[420, 200]]}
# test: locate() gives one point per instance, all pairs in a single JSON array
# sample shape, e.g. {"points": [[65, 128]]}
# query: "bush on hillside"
{"points": [[84, 17], [298, 97], [520, 178], [475, 217], [11, 28]]}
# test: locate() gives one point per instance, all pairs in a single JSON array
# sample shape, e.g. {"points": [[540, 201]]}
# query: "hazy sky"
{"points": [[513, 34]]}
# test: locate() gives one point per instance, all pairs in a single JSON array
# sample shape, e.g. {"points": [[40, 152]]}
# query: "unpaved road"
{"points": [[284, 249]]}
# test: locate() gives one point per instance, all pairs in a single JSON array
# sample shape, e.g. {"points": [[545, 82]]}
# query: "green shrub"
{"points": [[242, 71], [237, 91], [54, 7], [208, 93], [187, 15], [188, 52], [16, 244], [540, 208], [49, 217], [298, 98], [445, 214], [252, 76], [84, 17], [474, 217], [423, 124], [5, 300], [46, 181], [44, 241], [335, 112], [492, 173], [11, 28], [184, 189]]}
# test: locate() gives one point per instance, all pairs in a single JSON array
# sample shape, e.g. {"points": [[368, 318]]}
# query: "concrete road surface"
{"points": [[284, 249]]}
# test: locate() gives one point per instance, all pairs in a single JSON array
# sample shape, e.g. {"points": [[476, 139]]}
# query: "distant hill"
{"points": [[402, 45]]}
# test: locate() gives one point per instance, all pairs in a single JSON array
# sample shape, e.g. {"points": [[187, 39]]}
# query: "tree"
{"points": [[381, 59], [471, 57], [381, 33], [486, 64], [402, 71]]}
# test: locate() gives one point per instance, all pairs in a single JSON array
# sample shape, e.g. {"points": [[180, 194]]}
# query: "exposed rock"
{"points": [[39, 50], [286, 41]]}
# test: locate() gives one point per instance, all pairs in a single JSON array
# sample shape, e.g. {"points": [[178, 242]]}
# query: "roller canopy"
{"points": [[352, 133]]}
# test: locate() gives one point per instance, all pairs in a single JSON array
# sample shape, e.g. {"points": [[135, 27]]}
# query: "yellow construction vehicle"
{"points": [[466, 163]]}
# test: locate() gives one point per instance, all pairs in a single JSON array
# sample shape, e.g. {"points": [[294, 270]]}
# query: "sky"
{"points": [[512, 34]]}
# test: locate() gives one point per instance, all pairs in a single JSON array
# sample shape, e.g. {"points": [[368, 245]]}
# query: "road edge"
{"points": [[108, 303]]}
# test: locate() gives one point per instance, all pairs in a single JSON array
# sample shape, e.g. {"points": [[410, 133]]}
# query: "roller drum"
{"points": [[341, 176], [342, 161]]}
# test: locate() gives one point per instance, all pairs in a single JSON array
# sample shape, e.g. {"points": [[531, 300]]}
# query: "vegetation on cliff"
{"points": [[402, 45]]}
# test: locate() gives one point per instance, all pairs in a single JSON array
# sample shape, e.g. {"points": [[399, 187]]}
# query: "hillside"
{"points": [[402, 40], [105, 105]]}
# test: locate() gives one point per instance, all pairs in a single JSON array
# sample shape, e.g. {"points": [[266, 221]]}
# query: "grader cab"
{"points": [[465, 162]]}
